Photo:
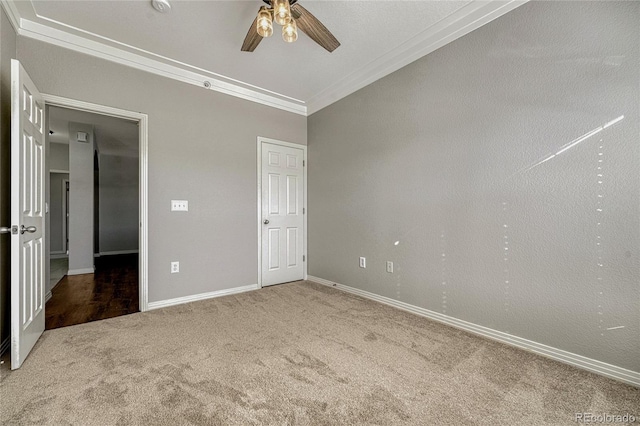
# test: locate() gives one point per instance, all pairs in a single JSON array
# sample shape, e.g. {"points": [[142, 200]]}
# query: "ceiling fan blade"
{"points": [[311, 26], [253, 39]]}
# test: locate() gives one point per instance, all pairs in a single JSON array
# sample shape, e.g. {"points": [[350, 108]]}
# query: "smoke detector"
{"points": [[162, 6]]}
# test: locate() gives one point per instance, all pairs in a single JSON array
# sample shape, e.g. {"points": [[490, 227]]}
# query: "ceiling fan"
{"points": [[291, 16]]}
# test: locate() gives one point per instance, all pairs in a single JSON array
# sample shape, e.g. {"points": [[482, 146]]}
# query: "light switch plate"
{"points": [[179, 205], [363, 262], [390, 267]]}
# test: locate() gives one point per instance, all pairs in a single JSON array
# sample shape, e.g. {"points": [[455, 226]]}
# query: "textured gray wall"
{"points": [[427, 168], [118, 203], [81, 220], [7, 52], [58, 156], [55, 211], [202, 148]]}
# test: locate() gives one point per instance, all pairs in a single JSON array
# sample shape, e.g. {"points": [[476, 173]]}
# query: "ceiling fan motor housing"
{"points": [[162, 6], [291, 2]]}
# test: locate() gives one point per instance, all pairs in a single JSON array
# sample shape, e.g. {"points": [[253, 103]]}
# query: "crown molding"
{"points": [[466, 19], [47, 34], [463, 21], [12, 13]]}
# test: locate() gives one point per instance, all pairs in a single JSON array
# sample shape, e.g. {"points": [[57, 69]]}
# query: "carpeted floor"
{"points": [[297, 353]]}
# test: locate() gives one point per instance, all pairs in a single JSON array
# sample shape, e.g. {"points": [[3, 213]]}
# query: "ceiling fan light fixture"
{"points": [[264, 23], [281, 11], [287, 9], [290, 31]]}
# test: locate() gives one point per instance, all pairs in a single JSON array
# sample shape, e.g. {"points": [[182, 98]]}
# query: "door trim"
{"points": [[65, 182], [143, 139], [304, 202]]}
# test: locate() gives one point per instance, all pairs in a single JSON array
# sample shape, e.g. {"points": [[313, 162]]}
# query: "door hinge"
{"points": [[303, 163], [304, 258], [303, 210]]}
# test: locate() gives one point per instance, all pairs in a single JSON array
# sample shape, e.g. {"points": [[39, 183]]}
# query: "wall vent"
{"points": [[82, 137]]}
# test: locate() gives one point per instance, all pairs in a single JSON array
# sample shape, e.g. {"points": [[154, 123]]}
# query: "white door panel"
{"points": [[27, 218], [282, 186]]}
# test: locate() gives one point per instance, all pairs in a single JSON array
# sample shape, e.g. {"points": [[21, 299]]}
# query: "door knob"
{"points": [[266, 221], [4, 230], [30, 229]]}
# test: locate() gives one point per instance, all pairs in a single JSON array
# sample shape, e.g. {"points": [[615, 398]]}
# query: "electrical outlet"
{"points": [[179, 206], [390, 267], [363, 262], [175, 267]]}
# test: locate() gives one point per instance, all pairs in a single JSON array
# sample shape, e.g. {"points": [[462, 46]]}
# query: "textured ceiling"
{"points": [[208, 35], [114, 136]]}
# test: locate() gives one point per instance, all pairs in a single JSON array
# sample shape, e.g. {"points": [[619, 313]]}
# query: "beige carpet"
{"points": [[296, 353]]}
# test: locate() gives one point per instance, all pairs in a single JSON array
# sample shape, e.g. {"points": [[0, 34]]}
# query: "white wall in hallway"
{"points": [[56, 217], [58, 156], [81, 207]]}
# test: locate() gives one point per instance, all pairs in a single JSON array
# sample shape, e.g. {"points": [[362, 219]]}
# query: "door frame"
{"points": [[304, 202], [143, 191], [65, 218], [63, 195]]}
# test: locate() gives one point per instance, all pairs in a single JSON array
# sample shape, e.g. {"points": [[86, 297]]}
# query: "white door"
{"points": [[282, 218], [27, 214]]}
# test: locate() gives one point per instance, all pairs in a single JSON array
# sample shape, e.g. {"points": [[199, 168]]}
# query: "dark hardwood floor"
{"points": [[110, 292]]}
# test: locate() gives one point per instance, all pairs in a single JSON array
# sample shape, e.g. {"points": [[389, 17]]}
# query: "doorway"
{"points": [[94, 216], [118, 174], [282, 204]]}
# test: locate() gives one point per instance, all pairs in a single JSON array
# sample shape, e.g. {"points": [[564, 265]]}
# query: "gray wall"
{"points": [[118, 203], [55, 211], [117, 189], [202, 148], [427, 168], [58, 156], [7, 52], [81, 207]]}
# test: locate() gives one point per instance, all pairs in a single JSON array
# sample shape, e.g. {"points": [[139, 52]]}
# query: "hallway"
{"points": [[110, 292]]}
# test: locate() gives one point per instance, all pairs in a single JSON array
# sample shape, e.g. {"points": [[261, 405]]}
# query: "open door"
{"points": [[27, 214]]}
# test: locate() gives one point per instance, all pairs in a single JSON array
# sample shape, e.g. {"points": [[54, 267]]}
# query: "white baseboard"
{"points": [[595, 366], [202, 296], [111, 253], [81, 271], [55, 285], [48, 296], [58, 255], [5, 345]]}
